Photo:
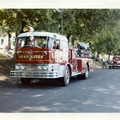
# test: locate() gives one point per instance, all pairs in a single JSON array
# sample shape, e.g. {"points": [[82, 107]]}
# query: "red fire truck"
{"points": [[45, 55]]}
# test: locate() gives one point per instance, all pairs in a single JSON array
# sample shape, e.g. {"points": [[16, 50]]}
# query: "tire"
{"points": [[25, 81], [66, 78], [86, 74]]}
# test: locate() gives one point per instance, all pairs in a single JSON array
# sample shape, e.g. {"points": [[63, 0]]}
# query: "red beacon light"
{"points": [[29, 28]]}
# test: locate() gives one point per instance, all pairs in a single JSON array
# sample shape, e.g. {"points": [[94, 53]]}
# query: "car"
{"points": [[115, 62]]}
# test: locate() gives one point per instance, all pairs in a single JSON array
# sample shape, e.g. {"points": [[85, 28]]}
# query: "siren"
{"points": [[29, 28]]}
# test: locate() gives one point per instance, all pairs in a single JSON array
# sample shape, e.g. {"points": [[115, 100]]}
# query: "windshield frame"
{"points": [[26, 41]]}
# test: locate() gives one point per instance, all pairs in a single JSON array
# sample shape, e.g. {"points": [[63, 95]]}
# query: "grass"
{"points": [[97, 64], [5, 64]]}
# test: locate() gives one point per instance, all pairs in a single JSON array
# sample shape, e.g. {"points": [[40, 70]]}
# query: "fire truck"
{"points": [[46, 55]]}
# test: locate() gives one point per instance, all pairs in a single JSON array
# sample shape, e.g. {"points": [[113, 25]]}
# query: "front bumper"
{"points": [[33, 74], [113, 66]]}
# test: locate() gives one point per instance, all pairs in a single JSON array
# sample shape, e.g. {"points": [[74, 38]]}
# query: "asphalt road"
{"points": [[100, 93]]}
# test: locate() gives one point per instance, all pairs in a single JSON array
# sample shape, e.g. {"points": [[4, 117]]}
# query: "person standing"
{"points": [[103, 63]]}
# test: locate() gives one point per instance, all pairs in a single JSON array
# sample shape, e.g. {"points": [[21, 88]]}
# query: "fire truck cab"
{"points": [[45, 55]]}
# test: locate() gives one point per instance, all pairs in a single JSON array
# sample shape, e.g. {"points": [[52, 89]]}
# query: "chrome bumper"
{"points": [[33, 74], [114, 65]]}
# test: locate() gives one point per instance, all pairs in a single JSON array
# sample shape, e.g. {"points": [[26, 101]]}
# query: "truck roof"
{"points": [[47, 34]]}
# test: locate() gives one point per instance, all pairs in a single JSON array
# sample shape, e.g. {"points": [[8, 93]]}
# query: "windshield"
{"points": [[35, 42], [38, 41], [116, 58]]}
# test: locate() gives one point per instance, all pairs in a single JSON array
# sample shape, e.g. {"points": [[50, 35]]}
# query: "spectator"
{"points": [[103, 63]]}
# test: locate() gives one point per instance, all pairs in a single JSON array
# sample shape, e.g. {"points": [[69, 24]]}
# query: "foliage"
{"points": [[99, 27]]}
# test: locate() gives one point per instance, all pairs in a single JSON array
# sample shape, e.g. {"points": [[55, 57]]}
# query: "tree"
{"points": [[99, 27]]}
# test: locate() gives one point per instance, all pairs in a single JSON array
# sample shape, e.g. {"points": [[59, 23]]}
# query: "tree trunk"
{"points": [[108, 57], [23, 25], [98, 54], [9, 42], [68, 36]]}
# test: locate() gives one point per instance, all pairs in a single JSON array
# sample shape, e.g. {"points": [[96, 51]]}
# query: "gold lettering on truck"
{"points": [[30, 57]]}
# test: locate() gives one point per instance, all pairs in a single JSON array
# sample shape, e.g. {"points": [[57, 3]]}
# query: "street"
{"points": [[99, 93]]}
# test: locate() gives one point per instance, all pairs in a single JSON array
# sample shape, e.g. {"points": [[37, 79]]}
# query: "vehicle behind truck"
{"points": [[45, 55], [115, 62]]}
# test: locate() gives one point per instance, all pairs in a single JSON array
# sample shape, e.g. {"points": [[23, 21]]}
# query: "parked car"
{"points": [[115, 62]]}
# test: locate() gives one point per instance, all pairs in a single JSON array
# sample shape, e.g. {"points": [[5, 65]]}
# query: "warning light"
{"points": [[29, 28]]}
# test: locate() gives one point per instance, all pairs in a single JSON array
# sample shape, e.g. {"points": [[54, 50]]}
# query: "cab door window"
{"points": [[56, 44]]}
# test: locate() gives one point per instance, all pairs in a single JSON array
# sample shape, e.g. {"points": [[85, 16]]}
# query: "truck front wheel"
{"points": [[66, 78], [85, 75], [25, 81]]}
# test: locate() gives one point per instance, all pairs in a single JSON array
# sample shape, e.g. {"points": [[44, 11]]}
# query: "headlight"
{"points": [[31, 67], [45, 68], [22, 67], [40, 67], [17, 67]]}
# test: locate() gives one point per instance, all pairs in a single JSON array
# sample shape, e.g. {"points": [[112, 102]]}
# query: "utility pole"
{"points": [[61, 21], [60, 11], [48, 16]]}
